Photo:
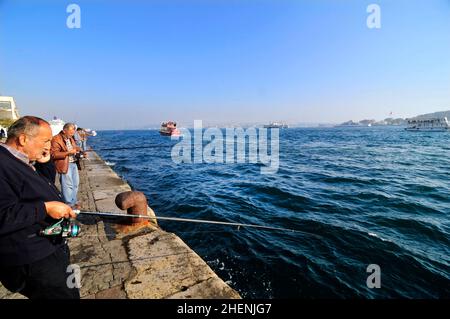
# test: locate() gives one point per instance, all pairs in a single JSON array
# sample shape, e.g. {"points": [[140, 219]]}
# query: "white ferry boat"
{"points": [[431, 124], [276, 125], [56, 125]]}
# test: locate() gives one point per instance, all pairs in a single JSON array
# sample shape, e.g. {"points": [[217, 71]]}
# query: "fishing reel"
{"points": [[66, 228], [80, 155]]}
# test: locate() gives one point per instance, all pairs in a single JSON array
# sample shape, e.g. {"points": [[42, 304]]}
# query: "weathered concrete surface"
{"points": [[144, 263], [175, 271]]}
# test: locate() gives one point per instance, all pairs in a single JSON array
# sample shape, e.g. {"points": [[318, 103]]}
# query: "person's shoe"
{"points": [[76, 206]]}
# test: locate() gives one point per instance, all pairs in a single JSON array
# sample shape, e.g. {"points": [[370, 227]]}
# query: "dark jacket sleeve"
{"points": [[47, 170], [16, 214]]}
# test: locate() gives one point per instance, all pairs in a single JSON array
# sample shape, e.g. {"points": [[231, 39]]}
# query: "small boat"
{"points": [[276, 125], [90, 132], [430, 125], [169, 129]]}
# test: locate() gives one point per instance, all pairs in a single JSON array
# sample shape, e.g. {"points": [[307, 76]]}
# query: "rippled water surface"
{"points": [[359, 196]]}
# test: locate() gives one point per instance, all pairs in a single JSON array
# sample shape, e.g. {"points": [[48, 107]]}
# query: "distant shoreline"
{"points": [[290, 128]]}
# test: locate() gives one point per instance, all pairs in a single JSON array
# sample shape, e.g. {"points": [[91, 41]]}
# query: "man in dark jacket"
{"points": [[30, 264]]}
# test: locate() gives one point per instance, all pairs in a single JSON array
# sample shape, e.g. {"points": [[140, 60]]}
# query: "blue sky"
{"points": [[136, 63]]}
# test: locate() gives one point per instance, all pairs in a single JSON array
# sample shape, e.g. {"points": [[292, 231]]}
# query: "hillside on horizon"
{"points": [[439, 114]]}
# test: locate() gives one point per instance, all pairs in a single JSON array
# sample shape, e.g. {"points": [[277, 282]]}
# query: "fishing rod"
{"points": [[69, 228], [189, 220]]}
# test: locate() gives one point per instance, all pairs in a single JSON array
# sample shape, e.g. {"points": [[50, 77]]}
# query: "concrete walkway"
{"points": [[137, 262]]}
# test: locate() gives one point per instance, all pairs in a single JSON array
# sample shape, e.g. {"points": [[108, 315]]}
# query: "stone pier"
{"points": [[144, 263]]}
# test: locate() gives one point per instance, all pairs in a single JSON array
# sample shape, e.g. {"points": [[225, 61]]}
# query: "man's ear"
{"points": [[23, 139]]}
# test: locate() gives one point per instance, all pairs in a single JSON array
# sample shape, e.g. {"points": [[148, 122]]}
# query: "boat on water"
{"points": [[169, 129], [90, 132], [56, 125], [431, 125], [276, 125]]}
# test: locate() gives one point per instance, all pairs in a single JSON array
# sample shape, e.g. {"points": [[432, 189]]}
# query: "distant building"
{"points": [[8, 109]]}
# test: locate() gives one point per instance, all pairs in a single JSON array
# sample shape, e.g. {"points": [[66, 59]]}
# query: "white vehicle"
{"points": [[431, 124]]}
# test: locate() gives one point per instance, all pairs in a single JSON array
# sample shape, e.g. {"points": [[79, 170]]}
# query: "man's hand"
{"points": [[58, 210], [72, 152]]}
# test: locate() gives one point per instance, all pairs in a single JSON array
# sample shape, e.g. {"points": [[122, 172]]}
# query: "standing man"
{"points": [[84, 140], [31, 264], [63, 152], [78, 137]]}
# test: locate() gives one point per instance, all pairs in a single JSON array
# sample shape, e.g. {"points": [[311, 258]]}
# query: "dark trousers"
{"points": [[43, 279]]}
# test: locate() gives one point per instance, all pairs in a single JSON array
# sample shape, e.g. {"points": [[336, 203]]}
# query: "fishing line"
{"points": [[200, 221], [178, 232], [182, 220], [190, 220]]}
